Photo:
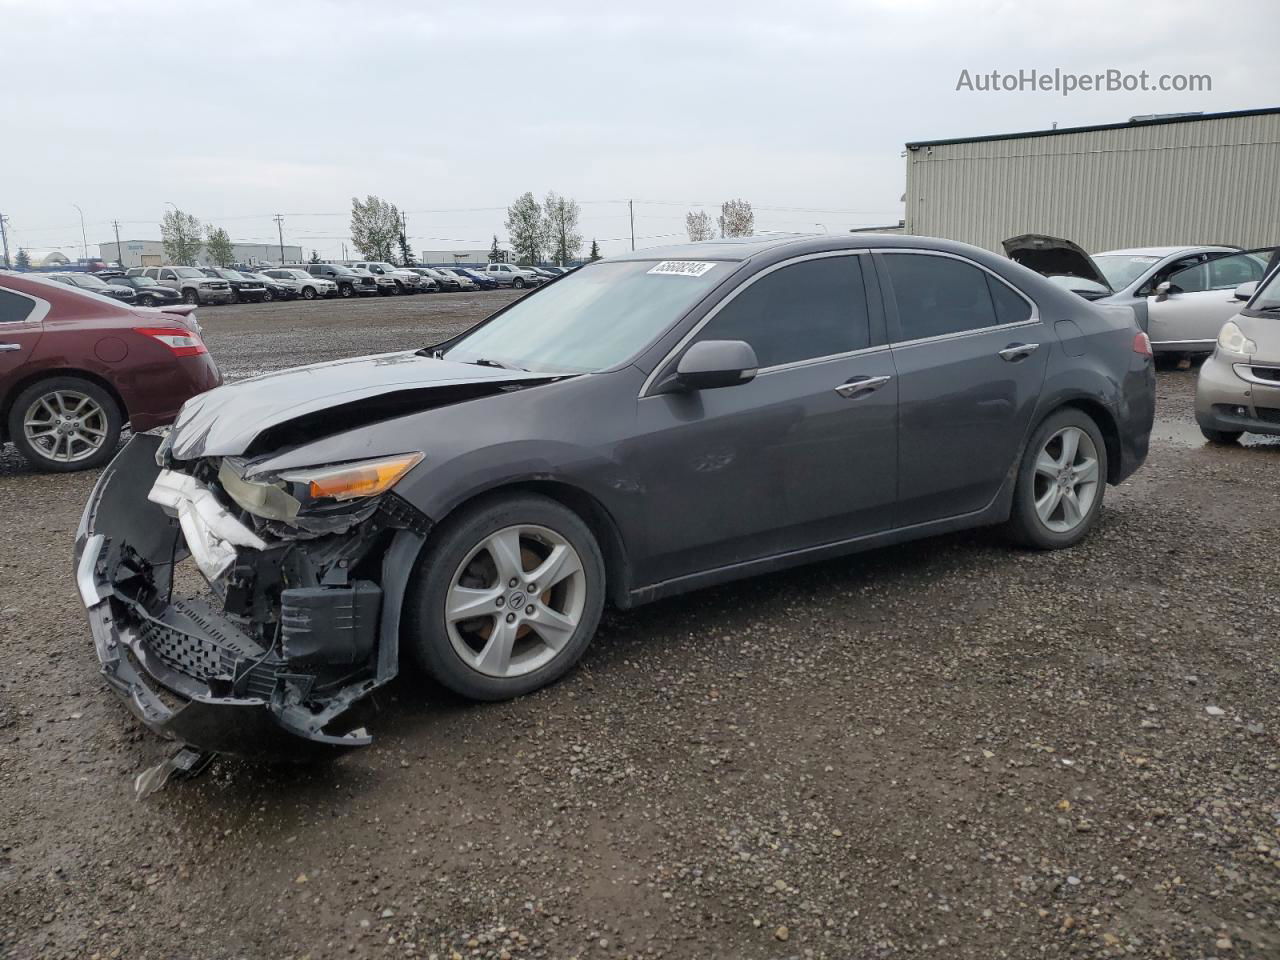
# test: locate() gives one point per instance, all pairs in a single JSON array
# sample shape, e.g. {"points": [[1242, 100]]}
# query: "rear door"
{"points": [[1200, 299], [971, 355], [20, 328]]}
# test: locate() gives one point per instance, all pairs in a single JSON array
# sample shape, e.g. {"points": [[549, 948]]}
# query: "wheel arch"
{"points": [[48, 373], [1100, 414], [587, 507]]}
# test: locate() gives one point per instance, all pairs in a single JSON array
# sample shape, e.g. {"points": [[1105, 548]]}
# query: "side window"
{"points": [[814, 308], [1191, 279], [167, 275], [151, 272], [938, 295], [14, 308], [1227, 273], [1010, 307]]}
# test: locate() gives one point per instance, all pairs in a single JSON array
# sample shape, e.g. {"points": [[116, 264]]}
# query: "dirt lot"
{"points": [[950, 748]]}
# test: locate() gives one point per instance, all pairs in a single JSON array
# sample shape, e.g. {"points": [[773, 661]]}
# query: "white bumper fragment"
{"points": [[211, 532]]}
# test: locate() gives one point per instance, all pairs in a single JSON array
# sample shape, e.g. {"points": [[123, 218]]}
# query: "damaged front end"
{"points": [[295, 616]]}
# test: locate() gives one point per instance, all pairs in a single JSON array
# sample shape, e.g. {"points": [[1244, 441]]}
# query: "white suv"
{"points": [[510, 275], [303, 283]]}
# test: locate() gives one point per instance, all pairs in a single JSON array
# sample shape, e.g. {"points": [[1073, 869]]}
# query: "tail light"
{"points": [[183, 343], [1142, 344]]}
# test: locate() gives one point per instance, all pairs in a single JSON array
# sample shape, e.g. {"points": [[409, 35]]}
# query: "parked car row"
{"points": [[157, 286]]}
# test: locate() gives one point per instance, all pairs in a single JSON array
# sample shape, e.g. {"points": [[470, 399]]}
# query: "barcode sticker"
{"points": [[683, 268]]}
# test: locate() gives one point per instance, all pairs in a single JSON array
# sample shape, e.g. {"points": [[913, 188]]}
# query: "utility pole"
{"points": [[119, 250], [4, 237], [631, 208], [279, 218]]}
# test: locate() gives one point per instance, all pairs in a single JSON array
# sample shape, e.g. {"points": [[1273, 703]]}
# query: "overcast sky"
{"points": [[237, 111]]}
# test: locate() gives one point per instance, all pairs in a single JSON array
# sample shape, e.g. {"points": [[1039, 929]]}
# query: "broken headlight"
{"points": [[282, 496]]}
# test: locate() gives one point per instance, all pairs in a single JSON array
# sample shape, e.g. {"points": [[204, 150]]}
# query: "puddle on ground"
{"points": [[1180, 433]]}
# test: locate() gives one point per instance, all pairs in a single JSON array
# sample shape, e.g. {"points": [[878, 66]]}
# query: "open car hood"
{"points": [[306, 403], [1053, 257]]}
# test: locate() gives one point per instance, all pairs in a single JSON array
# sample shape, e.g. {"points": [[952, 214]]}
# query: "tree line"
{"points": [[736, 219]]}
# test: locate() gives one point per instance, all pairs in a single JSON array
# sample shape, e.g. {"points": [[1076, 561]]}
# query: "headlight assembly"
{"points": [[1231, 339], [310, 490]]}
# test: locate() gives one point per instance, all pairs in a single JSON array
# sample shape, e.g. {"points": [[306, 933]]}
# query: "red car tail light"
{"points": [[1142, 344], [183, 343]]}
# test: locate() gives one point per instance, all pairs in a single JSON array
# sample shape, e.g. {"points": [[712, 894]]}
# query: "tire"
{"points": [[268, 296], [518, 283], [308, 293], [191, 296], [146, 301], [1044, 517], [1225, 437], [98, 425], [346, 290], [458, 553], [398, 289]]}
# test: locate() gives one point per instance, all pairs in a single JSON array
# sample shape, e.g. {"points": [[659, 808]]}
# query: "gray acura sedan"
{"points": [[646, 425]]}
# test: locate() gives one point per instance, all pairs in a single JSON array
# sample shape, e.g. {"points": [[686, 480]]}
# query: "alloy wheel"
{"points": [[515, 601], [1065, 484], [65, 426]]}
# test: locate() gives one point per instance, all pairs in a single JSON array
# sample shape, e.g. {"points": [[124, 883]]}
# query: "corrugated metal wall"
{"points": [[1207, 181]]}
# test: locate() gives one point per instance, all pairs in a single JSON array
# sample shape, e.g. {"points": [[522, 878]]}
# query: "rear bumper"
{"points": [[1135, 415], [188, 671], [1183, 346], [157, 394]]}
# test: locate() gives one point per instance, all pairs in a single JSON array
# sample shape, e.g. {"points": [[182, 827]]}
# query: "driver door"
{"points": [[1200, 299], [804, 454]]}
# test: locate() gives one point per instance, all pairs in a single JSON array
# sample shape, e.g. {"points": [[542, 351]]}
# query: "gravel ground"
{"points": [[949, 748]]}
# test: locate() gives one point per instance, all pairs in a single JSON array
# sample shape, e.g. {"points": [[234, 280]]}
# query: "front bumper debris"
{"points": [[267, 662]]}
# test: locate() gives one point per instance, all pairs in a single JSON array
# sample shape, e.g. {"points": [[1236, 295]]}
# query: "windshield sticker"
{"points": [[683, 268]]}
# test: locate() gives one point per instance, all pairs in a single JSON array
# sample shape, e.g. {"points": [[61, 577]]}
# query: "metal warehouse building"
{"points": [[1185, 178]]}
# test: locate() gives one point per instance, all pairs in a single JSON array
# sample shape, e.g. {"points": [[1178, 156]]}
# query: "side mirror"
{"points": [[1163, 291], [1246, 290], [712, 364]]}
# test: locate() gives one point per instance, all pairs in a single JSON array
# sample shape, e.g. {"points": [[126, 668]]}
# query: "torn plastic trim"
{"points": [[211, 532]]}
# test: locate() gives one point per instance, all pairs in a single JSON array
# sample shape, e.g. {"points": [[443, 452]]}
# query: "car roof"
{"points": [[1161, 251], [745, 248]]}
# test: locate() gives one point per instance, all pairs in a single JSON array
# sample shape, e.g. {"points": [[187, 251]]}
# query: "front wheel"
{"points": [[191, 297], [346, 290], [268, 296], [65, 423], [146, 301], [507, 597], [308, 293], [1060, 482], [1222, 436], [518, 283]]}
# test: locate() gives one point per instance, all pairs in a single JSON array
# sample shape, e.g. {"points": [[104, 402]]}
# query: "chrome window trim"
{"points": [[714, 311], [977, 331], [36, 314]]}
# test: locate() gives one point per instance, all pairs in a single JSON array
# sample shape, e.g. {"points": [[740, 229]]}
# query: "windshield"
{"points": [[1122, 270], [1268, 298], [384, 266], [84, 280], [229, 274], [297, 274], [187, 272], [142, 282], [597, 318]]}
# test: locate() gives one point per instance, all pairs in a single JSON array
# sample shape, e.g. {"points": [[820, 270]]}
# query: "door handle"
{"points": [[1018, 351], [856, 387], [10, 347]]}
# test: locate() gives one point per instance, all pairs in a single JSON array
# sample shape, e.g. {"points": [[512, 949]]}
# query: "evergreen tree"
{"points": [[23, 260], [495, 251], [315, 257], [595, 251]]}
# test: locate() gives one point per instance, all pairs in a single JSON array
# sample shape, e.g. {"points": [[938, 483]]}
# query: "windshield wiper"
{"points": [[485, 362], [1274, 308]]}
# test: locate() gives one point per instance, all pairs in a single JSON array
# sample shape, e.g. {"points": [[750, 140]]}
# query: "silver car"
{"points": [[1181, 295], [1238, 390]]}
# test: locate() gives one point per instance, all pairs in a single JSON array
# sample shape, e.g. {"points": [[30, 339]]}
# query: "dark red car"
{"points": [[75, 367]]}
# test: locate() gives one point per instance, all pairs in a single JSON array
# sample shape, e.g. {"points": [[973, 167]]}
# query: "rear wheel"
{"points": [[508, 596], [1222, 436], [65, 423], [1060, 482]]}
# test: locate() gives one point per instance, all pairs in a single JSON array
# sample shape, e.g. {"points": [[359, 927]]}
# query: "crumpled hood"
{"points": [[226, 420]]}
